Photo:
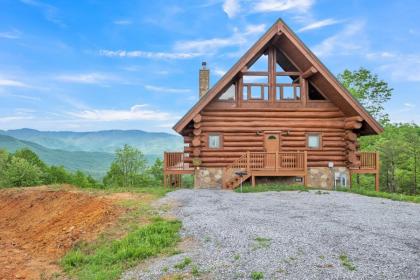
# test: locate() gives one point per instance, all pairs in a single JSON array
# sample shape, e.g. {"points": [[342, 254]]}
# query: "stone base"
{"points": [[208, 178], [323, 177]]}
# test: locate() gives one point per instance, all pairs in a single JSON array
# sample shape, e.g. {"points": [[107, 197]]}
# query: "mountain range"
{"points": [[91, 152]]}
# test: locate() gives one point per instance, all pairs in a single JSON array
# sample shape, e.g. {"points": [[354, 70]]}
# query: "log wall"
{"points": [[243, 130]]}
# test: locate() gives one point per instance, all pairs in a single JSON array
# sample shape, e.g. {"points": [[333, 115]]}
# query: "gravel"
{"points": [[290, 235]]}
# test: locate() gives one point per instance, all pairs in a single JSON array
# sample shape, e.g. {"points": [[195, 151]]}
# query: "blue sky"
{"points": [[93, 65]]}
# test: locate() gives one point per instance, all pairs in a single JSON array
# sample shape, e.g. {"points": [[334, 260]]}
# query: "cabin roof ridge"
{"points": [[278, 26]]}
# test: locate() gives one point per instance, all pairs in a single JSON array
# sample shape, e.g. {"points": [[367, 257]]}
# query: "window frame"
{"points": [[319, 134], [220, 135]]}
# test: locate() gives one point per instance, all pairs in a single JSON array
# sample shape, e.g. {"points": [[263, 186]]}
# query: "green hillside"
{"points": [[94, 163], [150, 143]]}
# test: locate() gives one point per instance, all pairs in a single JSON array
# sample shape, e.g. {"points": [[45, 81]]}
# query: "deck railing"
{"points": [[368, 160], [264, 161], [174, 161]]}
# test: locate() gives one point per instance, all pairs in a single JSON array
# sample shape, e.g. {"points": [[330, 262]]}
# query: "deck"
{"points": [[266, 164], [256, 164], [369, 164], [174, 167]]}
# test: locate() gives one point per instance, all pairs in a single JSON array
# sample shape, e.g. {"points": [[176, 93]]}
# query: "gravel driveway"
{"points": [[290, 235]]}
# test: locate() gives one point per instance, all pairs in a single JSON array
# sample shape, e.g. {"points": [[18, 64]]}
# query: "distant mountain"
{"points": [[150, 143], [93, 163]]}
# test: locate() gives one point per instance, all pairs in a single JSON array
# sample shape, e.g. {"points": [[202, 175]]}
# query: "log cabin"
{"points": [[278, 112]]}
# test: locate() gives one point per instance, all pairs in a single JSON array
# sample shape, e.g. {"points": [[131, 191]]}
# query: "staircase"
{"points": [[230, 179]]}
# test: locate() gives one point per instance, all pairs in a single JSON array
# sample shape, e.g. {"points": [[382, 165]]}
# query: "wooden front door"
{"points": [[272, 146]]}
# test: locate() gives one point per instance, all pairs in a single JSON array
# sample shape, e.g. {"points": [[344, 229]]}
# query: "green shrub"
{"points": [[392, 196], [109, 260], [21, 173]]}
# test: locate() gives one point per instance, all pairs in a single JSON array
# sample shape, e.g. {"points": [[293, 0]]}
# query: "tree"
{"points": [[21, 173], [411, 133], [30, 157], [4, 157], [127, 169], [156, 171], [369, 90], [56, 175]]}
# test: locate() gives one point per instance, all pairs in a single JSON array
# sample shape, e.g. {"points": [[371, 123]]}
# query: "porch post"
{"points": [[377, 172], [248, 162], [305, 162]]}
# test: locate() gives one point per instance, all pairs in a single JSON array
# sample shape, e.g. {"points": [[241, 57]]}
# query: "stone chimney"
{"points": [[203, 79]]}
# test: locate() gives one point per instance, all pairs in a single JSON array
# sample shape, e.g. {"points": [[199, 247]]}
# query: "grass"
{"points": [[346, 262], [109, 260], [261, 242], [247, 188], [257, 275], [195, 271], [137, 235], [392, 196], [183, 264]]}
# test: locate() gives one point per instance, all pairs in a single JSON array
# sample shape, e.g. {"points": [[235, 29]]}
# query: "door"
{"points": [[272, 146]]}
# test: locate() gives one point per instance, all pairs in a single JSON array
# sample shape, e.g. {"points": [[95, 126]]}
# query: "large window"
{"points": [[314, 141], [214, 141]]}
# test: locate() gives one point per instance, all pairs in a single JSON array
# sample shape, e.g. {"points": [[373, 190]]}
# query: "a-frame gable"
{"points": [[281, 33]]}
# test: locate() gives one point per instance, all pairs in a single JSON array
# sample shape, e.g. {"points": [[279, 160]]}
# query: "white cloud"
{"points": [[402, 67], [219, 72], [380, 55], [12, 83], [135, 113], [145, 54], [20, 96], [13, 34], [345, 42], [166, 90], [283, 5], [409, 105], [122, 22], [231, 8], [8, 119], [87, 78], [50, 12], [212, 45], [234, 7], [319, 24]]}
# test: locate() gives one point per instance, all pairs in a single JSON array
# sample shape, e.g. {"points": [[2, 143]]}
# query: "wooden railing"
{"points": [[261, 161], [277, 161], [369, 160], [174, 161]]}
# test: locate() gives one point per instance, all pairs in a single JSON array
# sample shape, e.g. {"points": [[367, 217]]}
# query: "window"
{"points": [[314, 141], [313, 93], [214, 141], [229, 94]]}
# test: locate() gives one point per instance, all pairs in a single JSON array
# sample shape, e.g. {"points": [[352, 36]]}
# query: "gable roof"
{"points": [[280, 28]]}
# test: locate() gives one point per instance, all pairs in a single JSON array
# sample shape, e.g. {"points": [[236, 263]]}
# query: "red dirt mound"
{"points": [[38, 225]]}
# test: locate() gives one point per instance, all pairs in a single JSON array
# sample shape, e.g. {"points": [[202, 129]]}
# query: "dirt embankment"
{"points": [[38, 225]]}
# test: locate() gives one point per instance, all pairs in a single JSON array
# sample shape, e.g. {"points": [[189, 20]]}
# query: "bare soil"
{"points": [[38, 225]]}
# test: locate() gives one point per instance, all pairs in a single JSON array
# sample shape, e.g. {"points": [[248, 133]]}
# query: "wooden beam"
{"points": [[288, 73], [255, 73], [308, 73]]}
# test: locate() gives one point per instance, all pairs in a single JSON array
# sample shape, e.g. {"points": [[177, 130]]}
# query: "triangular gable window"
{"points": [[228, 94], [313, 93], [261, 64]]}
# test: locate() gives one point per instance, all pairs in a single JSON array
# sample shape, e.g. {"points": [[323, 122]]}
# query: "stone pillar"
{"points": [[323, 177], [208, 178]]}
